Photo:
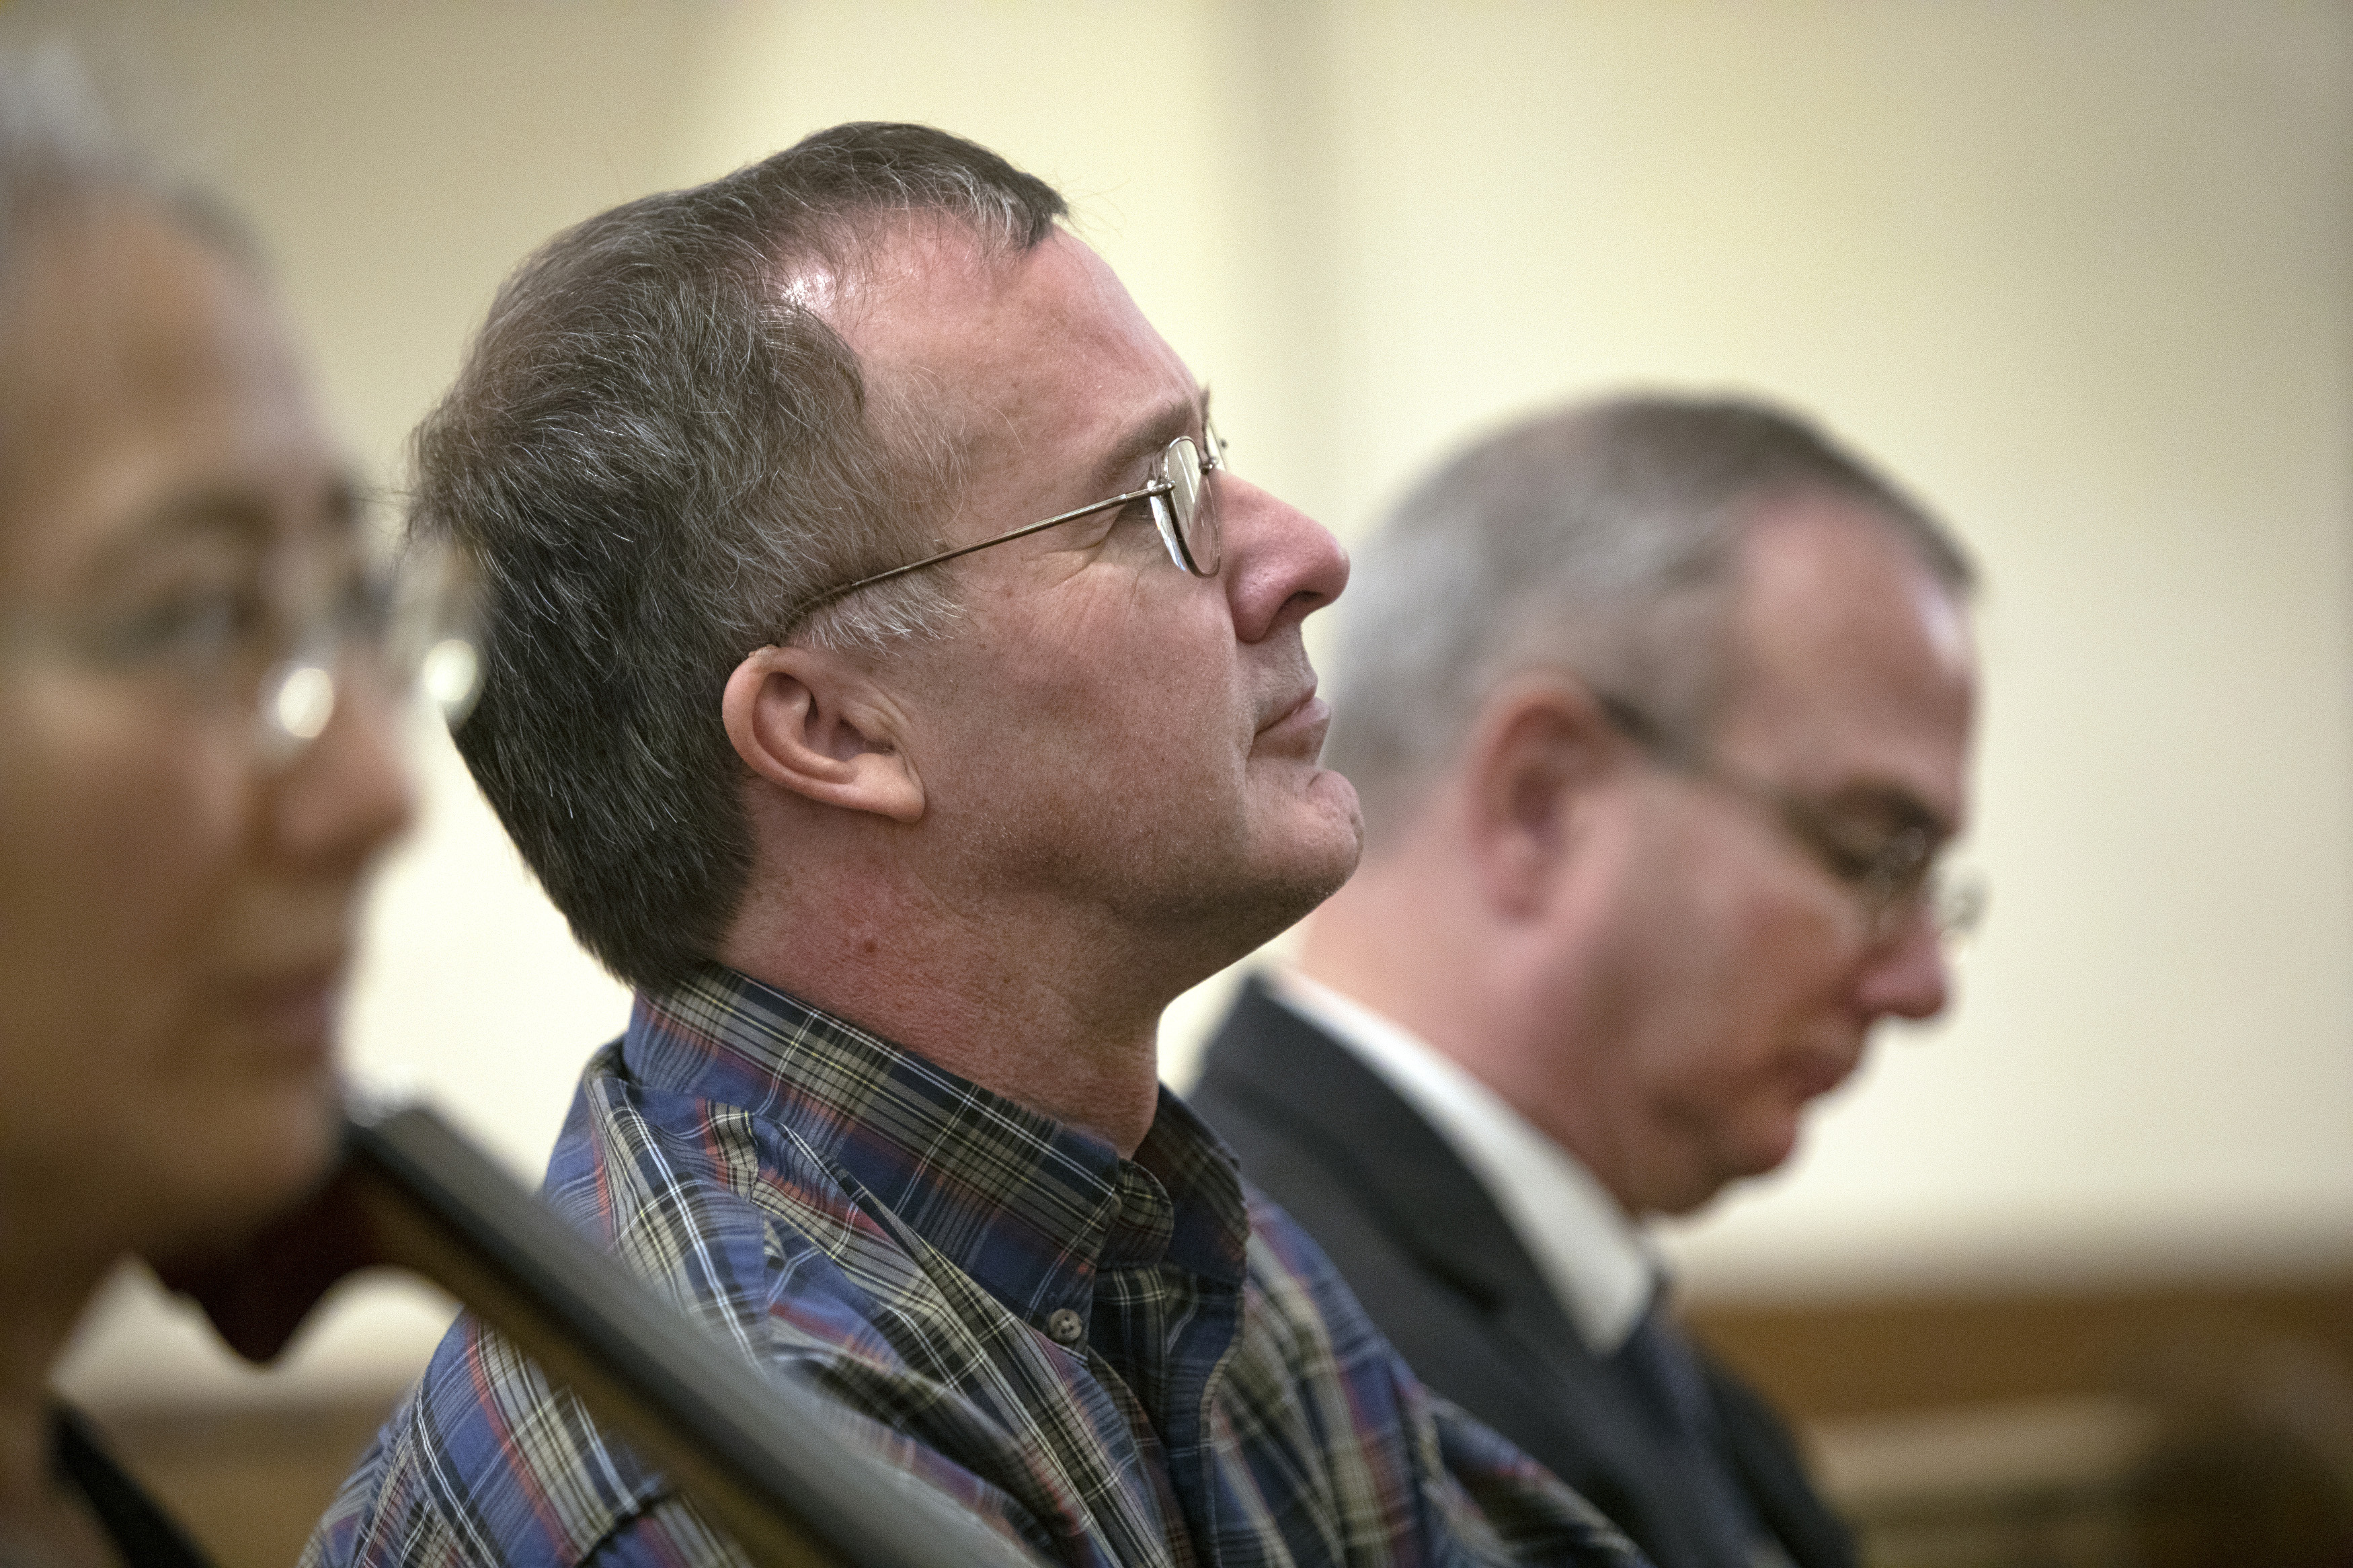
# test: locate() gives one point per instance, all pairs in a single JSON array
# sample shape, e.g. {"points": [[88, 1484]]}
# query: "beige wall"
{"points": [[2082, 272]]}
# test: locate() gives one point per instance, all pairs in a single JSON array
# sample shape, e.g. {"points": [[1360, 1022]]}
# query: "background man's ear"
{"points": [[1538, 742], [817, 724]]}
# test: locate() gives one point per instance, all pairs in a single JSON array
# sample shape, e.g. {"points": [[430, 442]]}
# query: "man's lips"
{"points": [[1303, 710], [1817, 1073], [1302, 724]]}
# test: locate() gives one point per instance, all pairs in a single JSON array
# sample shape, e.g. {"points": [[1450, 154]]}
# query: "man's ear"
{"points": [[815, 722], [1539, 741]]}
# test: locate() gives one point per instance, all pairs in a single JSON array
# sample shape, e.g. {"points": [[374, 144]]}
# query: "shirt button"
{"points": [[1064, 1327]]}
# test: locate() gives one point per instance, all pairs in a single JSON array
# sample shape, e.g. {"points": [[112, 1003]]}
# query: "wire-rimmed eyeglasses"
{"points": [[1892, 873], [1184, 509]]}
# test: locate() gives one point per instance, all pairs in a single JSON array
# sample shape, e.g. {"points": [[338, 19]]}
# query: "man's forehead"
{"points": [[1034, 360], [942, 308], [883, 263], [1848, 655], [929, 291]]}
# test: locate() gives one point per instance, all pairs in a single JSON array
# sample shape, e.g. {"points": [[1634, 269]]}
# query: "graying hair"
{"points": [[59, 154], [52, 130], [58, 151], [658, 457], [1601, 538]]}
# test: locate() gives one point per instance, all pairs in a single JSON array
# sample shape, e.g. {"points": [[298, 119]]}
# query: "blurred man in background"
{"points": [[1660, 710], [886, 676]]}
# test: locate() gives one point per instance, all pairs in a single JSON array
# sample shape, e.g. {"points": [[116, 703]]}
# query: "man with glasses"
{"points": [[1659, 711], [885, 674]]}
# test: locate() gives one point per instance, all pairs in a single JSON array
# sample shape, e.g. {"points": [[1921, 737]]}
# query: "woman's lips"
{"points": [[290, 1016]]}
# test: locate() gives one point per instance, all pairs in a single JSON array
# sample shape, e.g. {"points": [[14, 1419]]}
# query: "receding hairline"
{"points": [[1805, 504], [1772, 503], [1720, 589], [841, 289]]}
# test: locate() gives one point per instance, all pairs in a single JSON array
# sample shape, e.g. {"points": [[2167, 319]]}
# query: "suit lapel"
{"points": [[1295, 1077], [1299, 1078]]}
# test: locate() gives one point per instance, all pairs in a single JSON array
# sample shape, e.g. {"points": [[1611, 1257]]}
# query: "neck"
{"points": [[1407, 939], [1413, 938], [1026, 1003]]}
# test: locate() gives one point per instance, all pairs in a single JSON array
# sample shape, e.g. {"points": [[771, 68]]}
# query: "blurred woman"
{"points": [[197, 766]]}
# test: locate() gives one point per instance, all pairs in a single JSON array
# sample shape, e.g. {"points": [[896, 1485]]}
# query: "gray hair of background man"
{"points": [[1601, 538], [657, 456]]}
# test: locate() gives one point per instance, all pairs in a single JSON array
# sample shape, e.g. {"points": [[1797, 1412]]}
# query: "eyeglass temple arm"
{"points": [[1160, 487], [1638, 726]]}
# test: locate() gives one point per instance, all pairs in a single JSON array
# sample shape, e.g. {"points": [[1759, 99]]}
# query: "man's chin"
{"points": [[1772, 1147], [1285, 876], [1334, 799], [1220, 907], [1743, 1154], [1329, 844]]}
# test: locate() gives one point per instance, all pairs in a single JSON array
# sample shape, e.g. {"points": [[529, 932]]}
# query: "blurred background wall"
{"points": [[2081, 273]]}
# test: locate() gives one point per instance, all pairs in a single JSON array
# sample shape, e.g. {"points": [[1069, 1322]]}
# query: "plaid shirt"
{"points": [[905, 1242]]}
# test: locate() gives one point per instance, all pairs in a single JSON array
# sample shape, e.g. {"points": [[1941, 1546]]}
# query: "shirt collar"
{"points": [[1030, 1207], [1599, 1265]]}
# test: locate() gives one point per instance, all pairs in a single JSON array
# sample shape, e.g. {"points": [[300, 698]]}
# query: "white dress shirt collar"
{"points": [[1599, 1265]]}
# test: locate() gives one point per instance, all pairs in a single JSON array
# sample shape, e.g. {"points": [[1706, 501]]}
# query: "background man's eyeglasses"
{"points": [[1894, 874], [1183, 508]]}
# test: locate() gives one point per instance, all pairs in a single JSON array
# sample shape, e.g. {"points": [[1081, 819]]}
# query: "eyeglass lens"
{"points": [[1194, 505], [421, 638], [1953, 901]]}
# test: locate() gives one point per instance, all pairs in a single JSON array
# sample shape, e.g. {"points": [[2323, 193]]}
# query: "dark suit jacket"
{"points": [[1442, 1274]]}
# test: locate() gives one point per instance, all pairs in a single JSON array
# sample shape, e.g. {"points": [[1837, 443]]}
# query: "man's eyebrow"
{"points": [[1148, 434]]}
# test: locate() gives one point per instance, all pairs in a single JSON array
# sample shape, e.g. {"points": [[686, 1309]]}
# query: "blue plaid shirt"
{"points": [[1114, 1360]]}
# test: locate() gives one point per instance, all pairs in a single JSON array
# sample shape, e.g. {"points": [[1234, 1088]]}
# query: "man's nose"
{"points": [[1908, 974], [1281, 564]]}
